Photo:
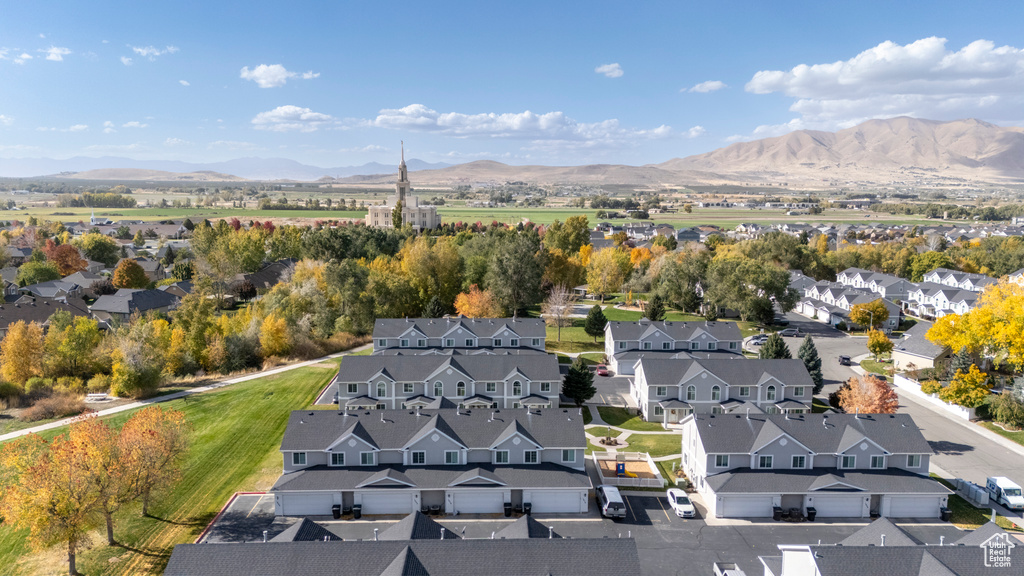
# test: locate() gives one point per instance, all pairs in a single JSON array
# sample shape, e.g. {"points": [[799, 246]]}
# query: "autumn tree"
{"points": [[70, 344], [31, 273], [969, 389], [568, 237], [274, 336], [106, 468], [477, 304], [808, 353], [774, 348], [558, 308], [579, 383], [138, 240], [993, 328], [433, 267], [100, 248], [868, 395], [129, 274], [879, 344], [564, 268], [67, 259], [515, 272], [605, 271], [871, 314], [22, 352], [154, 442]]}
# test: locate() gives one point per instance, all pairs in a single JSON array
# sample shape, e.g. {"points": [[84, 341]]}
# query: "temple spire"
{"points": [[403, 152]]}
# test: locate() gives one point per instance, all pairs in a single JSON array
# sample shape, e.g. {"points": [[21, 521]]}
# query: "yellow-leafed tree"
{"points": [[994, 327], [274, 337], [968, 389], [477, 303], [21, 352]]}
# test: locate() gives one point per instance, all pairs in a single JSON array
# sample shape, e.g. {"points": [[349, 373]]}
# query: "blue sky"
{"points": [[341, 83]]}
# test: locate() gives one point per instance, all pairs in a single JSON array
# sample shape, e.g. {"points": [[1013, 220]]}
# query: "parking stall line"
{"points": [[667, 517], [258, 500]]}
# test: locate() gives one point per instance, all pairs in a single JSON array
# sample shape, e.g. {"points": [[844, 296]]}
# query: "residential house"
{"points": [[684, 235], [180, 289], [153, 268], [842, 465], [915, 351], [28, 309], [269, 275], [473, 381], [459, 333], [85, 279], [667, 390], [626, 342], [451, 460], [56, 289], [962, 280], [19, 255], [831, 302], [118, 307]]}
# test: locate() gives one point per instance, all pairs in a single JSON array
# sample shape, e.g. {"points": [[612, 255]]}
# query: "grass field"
{"points": [[1017, 437], [965, 516], [656, 445], [236, 436], [621, 418], [870, 365]]}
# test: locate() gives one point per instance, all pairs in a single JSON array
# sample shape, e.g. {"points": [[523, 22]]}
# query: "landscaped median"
{"points": [[621, 418]]}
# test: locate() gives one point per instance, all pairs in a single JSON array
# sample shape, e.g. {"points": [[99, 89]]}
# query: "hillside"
{"points": [[133, 174]]}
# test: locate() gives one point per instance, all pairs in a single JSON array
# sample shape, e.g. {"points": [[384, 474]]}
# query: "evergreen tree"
{"points": [[596, 322], [579, 383], [655, 309], [434, 308], [774, 348], [396, 215], [808, 352], [961, 362]]}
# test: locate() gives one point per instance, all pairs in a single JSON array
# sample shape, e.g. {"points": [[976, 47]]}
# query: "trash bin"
{"points": [[811, 513], [777, 513], [336, 511], [945, 514], [527, 507], [357, 511], [508, 509]]}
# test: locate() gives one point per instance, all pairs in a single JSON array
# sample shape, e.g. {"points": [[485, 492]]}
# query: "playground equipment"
{"points": [[620, 470]]}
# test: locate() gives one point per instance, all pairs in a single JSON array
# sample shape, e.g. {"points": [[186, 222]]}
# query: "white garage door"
{"points": [[914, 507], [387, 503], [309, 504], [839, 506], [488, 502], [555, 501], [746, 507]]}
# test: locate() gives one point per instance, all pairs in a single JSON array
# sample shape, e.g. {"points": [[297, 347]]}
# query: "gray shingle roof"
{"points": [[630, 331], [909, 561], [317, 430], [661, 371], [305, 530], [479, 327], [823, 480], [52, 288], [981, 534], [127, 301], [916, 343], [483, 351], [871, 535], [435, 477], [415, 526], [417, 368], [821, 433], [526, 527], [554, 557]]}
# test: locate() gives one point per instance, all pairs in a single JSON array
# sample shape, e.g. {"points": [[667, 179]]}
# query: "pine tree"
{"points": [[596, 322], [396, 215], [655, 309], [961, 362], [434, 308], [808, 352], [579, 383], [774, 348]]}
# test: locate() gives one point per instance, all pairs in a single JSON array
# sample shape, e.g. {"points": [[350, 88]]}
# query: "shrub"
{"points": [[70, 385], [306, 349], [38, 387], [56, 406], [931, 386], [9, 390], [99, 383], [343, 341], [841, 326]]}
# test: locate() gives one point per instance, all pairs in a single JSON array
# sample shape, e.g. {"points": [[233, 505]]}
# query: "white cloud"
{"points": [[184, 82], [134, 124], [274, 75], [709, 86], [6, 120], [176, 142], [78, 128], [73, 128], [126, 61], [116, 148], [55, 53], [612, 70], [108, 127], [22, 58], [291, 119], [696, 132], [151, 52], [922, 79]]}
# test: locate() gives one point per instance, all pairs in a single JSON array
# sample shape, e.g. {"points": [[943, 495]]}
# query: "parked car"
{"points": [[844, 360], [680, 503], [780, 321], [790, 332], [759, 339], [601, 370], [610, 502]]}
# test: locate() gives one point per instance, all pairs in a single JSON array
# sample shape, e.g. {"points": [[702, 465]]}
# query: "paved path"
{"points": [[182, 394], [597, 423]]}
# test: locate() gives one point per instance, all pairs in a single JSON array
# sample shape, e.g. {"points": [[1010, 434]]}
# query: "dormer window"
{"points": [[536, 342], [298, 458], [469, 342], [501, 456], [382, 343], [712, 345], [694, 345]]}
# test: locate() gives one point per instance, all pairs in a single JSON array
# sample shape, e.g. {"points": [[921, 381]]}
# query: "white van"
{"points": [[1005, 492], [610, 502]]}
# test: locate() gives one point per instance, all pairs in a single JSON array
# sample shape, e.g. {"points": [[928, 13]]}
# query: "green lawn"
{"points": [[655, 444], [870, 365], [1017, 437], [593, 447], [587, 416], [966, 516], [602, 431], [665, 467], [593, 358], [573, 339], [236, 436], [818, 406], [621, 418]]}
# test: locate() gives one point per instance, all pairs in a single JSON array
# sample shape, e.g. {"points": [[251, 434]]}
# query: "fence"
{"points": [[913, 387], [656, 482]]}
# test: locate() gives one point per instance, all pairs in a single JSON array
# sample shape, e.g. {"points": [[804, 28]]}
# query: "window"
{"points": [[469, 342], [848, 462], [661, 390], [691, 392], [514, 342], [647, 345], [913, 461], [536, 342], [712, 345], [449, 342], [407, 388], [799, 462], [422, 343], [764, 461], [622, 345], [298, 458], [337, 459], [517, 388], [353, 388], [382, 343], [878, 462], [529, 457], [492, 386], [438, 389], [717, 410], [419, 457], [382, 390], [545, 386], [497, 342], [744, 391], [770, 395], [798, 391], [404, 343], [568, 455], [659, 411], [501, 456], [721, 461], [460, 389], [451, 456], [366, 458], [694, 345], [666, 345], [716, 393], [515, 405], [733, 346]]}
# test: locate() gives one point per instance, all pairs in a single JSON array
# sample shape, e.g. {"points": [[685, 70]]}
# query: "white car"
{"points": [[680, 503]]}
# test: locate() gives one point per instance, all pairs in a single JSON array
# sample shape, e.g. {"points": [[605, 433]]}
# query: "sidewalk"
{"points": [[182, 394], [624, 434]]}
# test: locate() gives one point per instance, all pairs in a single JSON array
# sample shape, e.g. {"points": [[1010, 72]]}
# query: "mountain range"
{"points": [[898, 149]]}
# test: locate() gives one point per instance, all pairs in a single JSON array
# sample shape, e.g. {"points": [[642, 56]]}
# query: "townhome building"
{"points": [[885, 285], [962, 280], [459, 333], [668, 390], [931, 300], [914, 351], [450, 460], [839, 465], [626, 342], [472, 381], [831, 303]]}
